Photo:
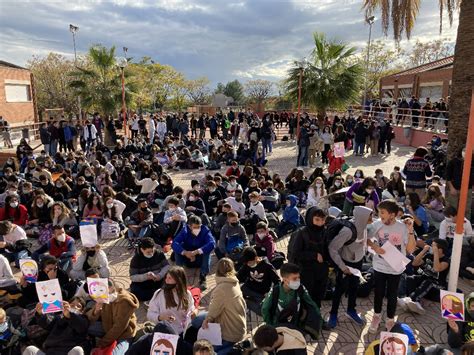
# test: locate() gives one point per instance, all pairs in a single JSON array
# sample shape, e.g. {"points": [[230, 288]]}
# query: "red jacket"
{"points": [[334, 163], [10, 215]]}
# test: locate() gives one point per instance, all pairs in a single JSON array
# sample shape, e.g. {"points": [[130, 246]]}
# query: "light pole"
{"points": [[73, 29], [301, 66], [122, 63], [370, 20]]}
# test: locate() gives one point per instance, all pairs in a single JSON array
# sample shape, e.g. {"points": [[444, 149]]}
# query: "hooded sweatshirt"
{"points": [[229, 231], [227, 307], [291, 213], [292, 340], [353, 252], [118, 318], [466, 328]]}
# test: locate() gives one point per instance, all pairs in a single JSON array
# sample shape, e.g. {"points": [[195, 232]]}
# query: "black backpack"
{"points": [[332, 231], [291, 244]]}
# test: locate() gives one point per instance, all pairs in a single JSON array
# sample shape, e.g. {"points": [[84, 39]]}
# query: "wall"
{"points": [[16, 112], [417, 137]]}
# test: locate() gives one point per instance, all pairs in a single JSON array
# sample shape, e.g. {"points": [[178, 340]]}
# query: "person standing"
{"points": [[90, 134], [45, 137], [151, 128], [346, 254], [416, 170], [54, 131], [454, 171], [303, 145], [388, 230]]}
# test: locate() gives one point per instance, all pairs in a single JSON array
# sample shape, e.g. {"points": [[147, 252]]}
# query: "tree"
{"points": [[235, 90], [198, 91], [403, 15], [382, 62], [258, 91], [332, 77], [426, 52], [52, 79], [219, 89]]}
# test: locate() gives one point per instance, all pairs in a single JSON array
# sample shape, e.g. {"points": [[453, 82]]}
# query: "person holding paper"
{"points": [[388, 229], [432, 272], [227, 307], [67, 331], [461, 333], [173, 302], [349, 255], [148, 268], [60, 246]]}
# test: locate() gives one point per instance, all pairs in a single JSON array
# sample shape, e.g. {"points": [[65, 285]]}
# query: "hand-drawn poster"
{"points": [[339, 150], [49, 295], [164, 344], [393, 344], [452, 305], [98, 289], [29, 269]]}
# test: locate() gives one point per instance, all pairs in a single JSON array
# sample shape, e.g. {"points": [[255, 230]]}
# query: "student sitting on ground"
{"points": [[61, 246], [257, 276], [291, 217], [233, 237], [92, 256], [12, 234], [264, 243]]}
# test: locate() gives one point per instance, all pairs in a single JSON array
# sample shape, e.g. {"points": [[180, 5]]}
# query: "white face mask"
{"points": [[172, 209], [196, 231], [288, 204], [294, 285], [252, 266], [14, 204], [61, 237], [261, 235], [337, 184], [192, 198], [463, 153], [110, 205], [113, 297], [319, 184], [40, 204]]}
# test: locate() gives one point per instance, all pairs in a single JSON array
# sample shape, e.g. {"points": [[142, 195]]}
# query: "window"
{"points": [[433, 92], [17, 93]]}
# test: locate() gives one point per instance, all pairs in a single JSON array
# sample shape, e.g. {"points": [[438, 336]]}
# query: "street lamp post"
{"points": [[73, 29], [122, 63], [370, 20]]}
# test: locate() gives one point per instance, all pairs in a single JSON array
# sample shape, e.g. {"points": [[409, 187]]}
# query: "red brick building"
{"points": [[431, 80], [17, 99]]}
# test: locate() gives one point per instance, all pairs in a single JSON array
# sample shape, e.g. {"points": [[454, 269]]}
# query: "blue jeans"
{"points": [[53, 148], [202, 261], [359, 148], [267, 145], [141, 234], [15, 256], [303, 156]]}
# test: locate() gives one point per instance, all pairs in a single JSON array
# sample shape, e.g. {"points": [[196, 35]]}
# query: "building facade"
{"points": [[431, 80], [17, 99]]}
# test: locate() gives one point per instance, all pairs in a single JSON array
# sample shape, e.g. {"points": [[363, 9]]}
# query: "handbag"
{"points": [[109, 230], [345, 167]]}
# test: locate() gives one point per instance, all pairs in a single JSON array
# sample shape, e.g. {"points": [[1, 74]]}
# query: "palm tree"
{"points": [[99, 82], [403, 15], [331, 78]]}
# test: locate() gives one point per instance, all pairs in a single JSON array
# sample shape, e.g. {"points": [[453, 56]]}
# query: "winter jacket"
{"points": [[118, 318], [355, 251], [45, 135], [229, 231], [267, 243], [66, 249], [141, 266], [416, 170], [142, 218], [63, 333], [6, 274], [178, 212], [187, 241], [90, 132], [227, 307], [354, 192], [291, 213]]}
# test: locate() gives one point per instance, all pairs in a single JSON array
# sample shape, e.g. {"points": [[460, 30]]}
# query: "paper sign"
{"points": [[357, 273], [394, 257], [339, 150], [49, 295], [452, 305], [98, 289], [393, 344], [29, 269], [213, 333], [88, 235], [164, 344]]}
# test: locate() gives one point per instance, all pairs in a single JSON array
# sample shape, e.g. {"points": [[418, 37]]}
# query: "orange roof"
{"points": [[437, 64]]}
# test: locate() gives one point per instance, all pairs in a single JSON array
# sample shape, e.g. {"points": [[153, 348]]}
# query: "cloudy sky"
{"points": [[220, 39]]}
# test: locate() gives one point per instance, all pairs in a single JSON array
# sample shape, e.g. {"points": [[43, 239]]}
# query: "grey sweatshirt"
{"points": [[229, 231], [353, 252]]}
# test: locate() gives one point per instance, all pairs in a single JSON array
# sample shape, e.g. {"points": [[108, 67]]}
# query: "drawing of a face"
{"points": [[452, 303], [162, 347], [49, 295], [393, 346], [98, 290], [29, 269]]}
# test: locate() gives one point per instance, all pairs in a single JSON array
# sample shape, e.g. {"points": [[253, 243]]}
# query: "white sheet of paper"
{"points": [[394, 257], [388, 346], [98, 289], [88, 235], [212, 333], [164, 344], [49, 295], [357, 273]]}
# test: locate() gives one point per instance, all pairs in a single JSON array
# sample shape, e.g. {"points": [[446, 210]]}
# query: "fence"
{"points": [[29, 131]]}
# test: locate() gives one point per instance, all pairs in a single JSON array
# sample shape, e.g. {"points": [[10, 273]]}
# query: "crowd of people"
{"points": [[337, 226]]}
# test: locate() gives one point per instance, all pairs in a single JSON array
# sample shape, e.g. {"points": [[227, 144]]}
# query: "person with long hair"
{"points": [[434, 204], [173, 302], [414, 207], [14, 211], [395, 187], [61, 215], [316, 194], [93, 207], [361, 193]]}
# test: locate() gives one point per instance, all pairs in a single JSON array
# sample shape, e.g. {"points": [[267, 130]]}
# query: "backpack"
{"points": [[332, 231], [276, 295], [291, 256], [234, 244]]}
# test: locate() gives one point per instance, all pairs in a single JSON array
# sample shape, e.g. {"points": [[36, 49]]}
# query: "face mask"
{"points": [[233, 224], [40, 204], [192, 198], [238, 199], [196, 231], [294, 285], [337, 184], [172, 209], [349, 181], [269, 189], [261, 235], [61, 238], [357, 175], [471, 314], [112, 297], [319, 184], [90, 253], [14, 204], [369, 191], [59, 186], [163, 182], [110, 205], [463, 154], [3, 327], [212, 190], [167, 286], [288, 204], [75, 310], [148, 256], [252, 266], [87, 174]]}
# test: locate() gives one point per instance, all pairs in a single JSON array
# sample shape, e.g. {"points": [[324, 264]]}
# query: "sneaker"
{"points": [[389, 323], [374, 325], [415, 307], [355, 317], [202, 283], [332, 321], [470, 269], [402, 303]]}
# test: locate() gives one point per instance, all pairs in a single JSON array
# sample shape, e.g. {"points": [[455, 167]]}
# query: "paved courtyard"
{"points": [[347, 338]]}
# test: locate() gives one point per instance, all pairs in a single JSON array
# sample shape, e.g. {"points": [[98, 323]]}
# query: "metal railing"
{"points": [[29, 131]]}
